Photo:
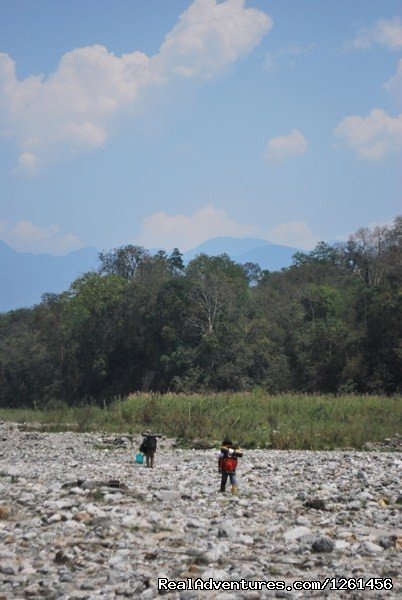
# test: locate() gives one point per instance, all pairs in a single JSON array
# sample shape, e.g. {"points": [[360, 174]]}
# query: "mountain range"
{"points": [[242, 250], [25, 277]]}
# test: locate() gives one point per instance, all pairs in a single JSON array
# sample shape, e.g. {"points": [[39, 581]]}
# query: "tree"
{"points": [[218, 298], [323, 253], [366, 252], [176, 261], [27, 369], [123, 261], [330, 322], [253, 272], [92, 322], [219, 286]]}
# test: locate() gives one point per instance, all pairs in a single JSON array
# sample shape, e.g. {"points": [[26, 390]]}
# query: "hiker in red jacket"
{"points": [[227, 464]]}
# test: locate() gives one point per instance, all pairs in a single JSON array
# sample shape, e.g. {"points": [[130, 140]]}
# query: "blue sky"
{"points": [[168, 123]]}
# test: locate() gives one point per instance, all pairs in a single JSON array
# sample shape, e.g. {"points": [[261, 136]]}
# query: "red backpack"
{"points": [[228, 464]]}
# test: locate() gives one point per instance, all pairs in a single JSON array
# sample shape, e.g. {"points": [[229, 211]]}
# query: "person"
{"points": [[148, 447], [227, 464]]}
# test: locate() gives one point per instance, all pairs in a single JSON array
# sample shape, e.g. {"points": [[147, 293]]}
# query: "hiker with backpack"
{"points": [[227, 464], [148, 447]]}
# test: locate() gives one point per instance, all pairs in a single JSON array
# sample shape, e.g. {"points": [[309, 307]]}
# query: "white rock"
{"points": [[215, 574], [372, 548], [296, 533], [54, 518]]}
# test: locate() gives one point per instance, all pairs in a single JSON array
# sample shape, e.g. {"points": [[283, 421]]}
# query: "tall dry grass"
{"points": [[255, 419]]}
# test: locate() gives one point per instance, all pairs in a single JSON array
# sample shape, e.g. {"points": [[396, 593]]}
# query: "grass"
{"points": [[254, 419]]}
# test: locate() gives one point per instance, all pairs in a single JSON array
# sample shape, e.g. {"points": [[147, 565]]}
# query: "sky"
{"points": [[166, 123]]}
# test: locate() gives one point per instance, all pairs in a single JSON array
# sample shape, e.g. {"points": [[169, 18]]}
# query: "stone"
{"points": [[171, 520], [355, 505], [386, 542], [372, 548], [82, 516], [296, 533], [5, 512], [32, 590], [323, 544], [54, 518], [316, 503]]}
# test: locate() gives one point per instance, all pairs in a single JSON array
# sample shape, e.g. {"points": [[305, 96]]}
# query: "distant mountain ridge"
{"points": [[25, 277], [269, 256]]}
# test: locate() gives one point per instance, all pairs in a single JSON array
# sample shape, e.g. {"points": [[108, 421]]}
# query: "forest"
{"points": [[331, 323]]}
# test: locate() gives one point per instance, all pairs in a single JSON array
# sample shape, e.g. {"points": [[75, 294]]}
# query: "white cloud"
{"points": [[282, 147], [185, 232], [210, 36], [27, 163], [385, 32], [394, 85], [373, 137], [296, 234], [160, 230], [28, 237], [71, 109]]}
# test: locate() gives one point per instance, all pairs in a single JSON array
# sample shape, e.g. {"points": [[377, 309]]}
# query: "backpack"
{"points": [[150, 442], [228, 464]]}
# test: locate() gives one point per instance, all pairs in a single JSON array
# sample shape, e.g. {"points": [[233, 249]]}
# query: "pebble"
{"points": [[77, 522]]}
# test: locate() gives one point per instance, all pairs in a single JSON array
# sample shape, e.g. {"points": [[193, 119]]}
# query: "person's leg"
{"points": [[233, 482], [152, 460], [148, 459], [224, 479]]}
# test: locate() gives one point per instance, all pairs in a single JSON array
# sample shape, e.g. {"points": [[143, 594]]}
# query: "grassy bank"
{"points": [[253, 419]]}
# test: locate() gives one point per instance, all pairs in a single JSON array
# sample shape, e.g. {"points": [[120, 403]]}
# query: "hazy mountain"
{"points": [[24, 277], [269, 256]]}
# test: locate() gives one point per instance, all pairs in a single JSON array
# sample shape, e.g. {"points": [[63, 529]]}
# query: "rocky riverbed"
{"points": [[79, 519]]}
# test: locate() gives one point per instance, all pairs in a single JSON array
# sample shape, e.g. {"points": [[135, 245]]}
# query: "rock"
{"points": [[104, 528], [372, 548], [61, 558], [8, 568], [215, 574], [5, 512], [323, 544], [32, 590], [387, 542], [316, 503], [296, 533], [82, 516], [228, 529], [217, 551], [342, 545], [355, 505], [54, 518]]}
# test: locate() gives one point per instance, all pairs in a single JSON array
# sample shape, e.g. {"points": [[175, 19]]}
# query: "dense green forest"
{"points": [[330, 323]]}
